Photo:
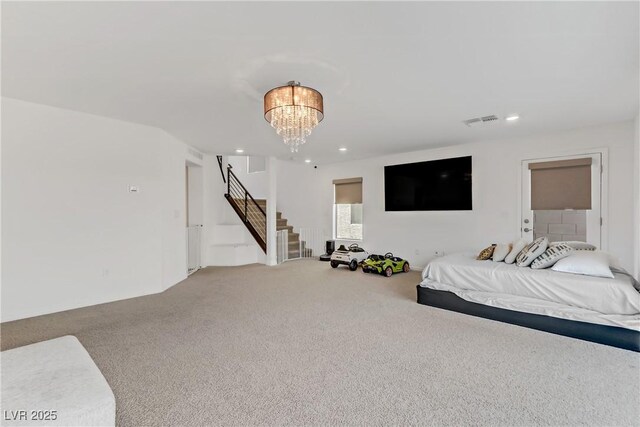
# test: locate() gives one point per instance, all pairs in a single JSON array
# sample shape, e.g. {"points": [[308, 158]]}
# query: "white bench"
{"points": [[54, 383]]}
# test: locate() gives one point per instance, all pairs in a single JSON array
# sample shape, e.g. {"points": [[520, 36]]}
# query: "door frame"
{"points": [[190, 197], [564, 155]]}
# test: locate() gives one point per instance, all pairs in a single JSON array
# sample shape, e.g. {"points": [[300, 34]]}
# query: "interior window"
{"points": [[348, 209]]}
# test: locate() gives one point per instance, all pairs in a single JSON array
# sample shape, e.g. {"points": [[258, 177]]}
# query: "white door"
{"points": [[566, 224]]}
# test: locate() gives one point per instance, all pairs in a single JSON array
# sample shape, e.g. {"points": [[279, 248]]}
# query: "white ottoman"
{"points": [[54, 383]]}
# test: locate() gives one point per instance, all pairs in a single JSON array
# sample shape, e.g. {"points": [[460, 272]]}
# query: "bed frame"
{"points": [[601, 334]]}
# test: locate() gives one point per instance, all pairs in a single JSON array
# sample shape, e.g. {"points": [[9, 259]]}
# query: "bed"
{"points": [[602, 310]]}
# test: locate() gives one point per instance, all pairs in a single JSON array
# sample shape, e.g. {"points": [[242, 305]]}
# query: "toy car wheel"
{"points": [[388, 271], [334, 264], [406, 267], [353, 265]]}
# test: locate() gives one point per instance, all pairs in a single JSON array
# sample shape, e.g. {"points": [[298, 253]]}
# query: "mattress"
{"points": [[598, 300]]}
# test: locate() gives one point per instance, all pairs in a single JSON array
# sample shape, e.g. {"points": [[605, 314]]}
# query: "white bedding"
{"points": [[570, 296]]}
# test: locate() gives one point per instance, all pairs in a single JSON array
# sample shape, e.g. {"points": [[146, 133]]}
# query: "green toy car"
{"points": [[385, 265]]}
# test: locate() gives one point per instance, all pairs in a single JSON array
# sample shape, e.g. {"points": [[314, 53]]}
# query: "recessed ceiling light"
{"points": [[239, 150], [512, 117], [342, 148], [307, 161]]}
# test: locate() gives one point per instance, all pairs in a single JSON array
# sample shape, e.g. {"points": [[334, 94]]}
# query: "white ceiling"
{"points": [[395, 76]]}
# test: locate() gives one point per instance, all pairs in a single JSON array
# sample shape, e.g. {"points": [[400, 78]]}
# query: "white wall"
{"points": [[257, 183], [636, 197], [73, 235], [297, 199], [218, 214], [496, 192]]}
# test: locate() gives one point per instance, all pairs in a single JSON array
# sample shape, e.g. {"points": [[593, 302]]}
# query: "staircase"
{"points": [[295, 244], [253, 216], [252, 212]]}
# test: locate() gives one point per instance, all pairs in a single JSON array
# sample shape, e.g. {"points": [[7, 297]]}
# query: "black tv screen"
{"points": [[437, 185]]}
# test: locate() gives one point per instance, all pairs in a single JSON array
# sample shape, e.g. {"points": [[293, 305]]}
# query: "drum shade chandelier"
{"points": [[293, 111]]}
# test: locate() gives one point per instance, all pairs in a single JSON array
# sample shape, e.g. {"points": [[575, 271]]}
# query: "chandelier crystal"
{"points": [[293, 111]]}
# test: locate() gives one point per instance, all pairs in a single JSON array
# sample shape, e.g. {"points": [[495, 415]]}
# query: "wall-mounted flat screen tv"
{"points": [[436, 185]]}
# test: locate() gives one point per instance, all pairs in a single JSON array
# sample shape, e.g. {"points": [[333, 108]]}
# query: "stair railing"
{"points": [[312, 241], [249, 211], [221, 169]]}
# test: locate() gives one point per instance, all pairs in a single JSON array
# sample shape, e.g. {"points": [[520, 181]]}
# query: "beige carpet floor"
{"points": [[303, 344]]}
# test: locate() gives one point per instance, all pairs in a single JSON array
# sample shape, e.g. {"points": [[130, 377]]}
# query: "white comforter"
{"points": [[577, 297]]}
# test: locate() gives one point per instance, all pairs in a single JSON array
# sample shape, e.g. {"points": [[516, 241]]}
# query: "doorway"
{"points": [[562, 198], [194, 215]]}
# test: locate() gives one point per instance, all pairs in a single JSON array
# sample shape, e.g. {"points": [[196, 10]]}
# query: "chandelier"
{"points": [[293, 111]]}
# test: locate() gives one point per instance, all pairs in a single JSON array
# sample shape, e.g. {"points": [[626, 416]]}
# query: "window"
{"points": [[561, 184], [348, 209], [561, 198], [256, 164]]}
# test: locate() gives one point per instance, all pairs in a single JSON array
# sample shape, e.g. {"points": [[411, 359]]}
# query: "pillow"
{"points": [[515, 250], [578, 246], [614, 261], [589, 263], [501, 251], [486, 253], [552, 255], [532, 251]]}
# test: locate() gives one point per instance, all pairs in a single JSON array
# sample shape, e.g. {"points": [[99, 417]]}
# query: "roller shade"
{"points": [[348, 191], [563, 184]]}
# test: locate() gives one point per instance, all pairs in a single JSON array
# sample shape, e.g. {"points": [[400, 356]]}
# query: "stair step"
{"points": [[250, 204], [295, 253], [253, 211], [253, 207]]}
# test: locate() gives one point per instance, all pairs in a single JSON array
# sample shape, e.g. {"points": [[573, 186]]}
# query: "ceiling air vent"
{"points": [[476, 121]]}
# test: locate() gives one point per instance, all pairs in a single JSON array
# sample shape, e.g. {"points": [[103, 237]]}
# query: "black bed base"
{"points": [[601, 334]]}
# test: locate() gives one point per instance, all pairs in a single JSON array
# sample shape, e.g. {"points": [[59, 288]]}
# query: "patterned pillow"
{"points": [[532, 251], [578, 246], [553, 254], [486, 253]]}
